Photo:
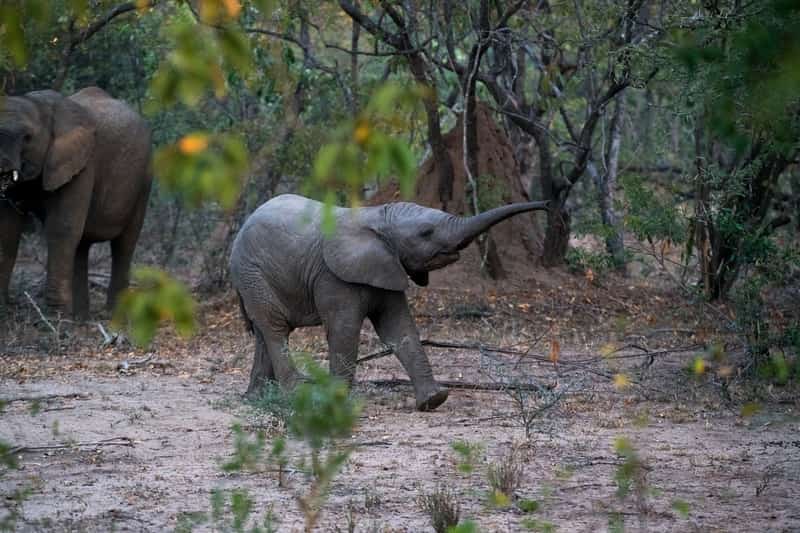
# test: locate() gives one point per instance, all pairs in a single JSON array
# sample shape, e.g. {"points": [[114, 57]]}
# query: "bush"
{"points": [[505, 476], [579, 261], [442, 507]]}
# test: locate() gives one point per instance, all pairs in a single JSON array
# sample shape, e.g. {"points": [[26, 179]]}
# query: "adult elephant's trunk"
{"points": [[466, 229]]}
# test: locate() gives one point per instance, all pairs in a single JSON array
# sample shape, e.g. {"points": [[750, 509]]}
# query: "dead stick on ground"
{"points": [[536, 357], [107, 339], [465, 385], [75, 395], [114, 441], [38, 310]]}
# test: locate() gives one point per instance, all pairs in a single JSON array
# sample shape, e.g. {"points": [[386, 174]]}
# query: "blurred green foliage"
{"points": [[367, 148], [155, 298], [753, 55], [203, 168]]}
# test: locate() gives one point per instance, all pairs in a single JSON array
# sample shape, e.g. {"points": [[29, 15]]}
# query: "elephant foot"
{"points": [[431, 398]]}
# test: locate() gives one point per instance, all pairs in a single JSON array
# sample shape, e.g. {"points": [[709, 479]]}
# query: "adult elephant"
{"points": [[289, 275], [81, 164]]}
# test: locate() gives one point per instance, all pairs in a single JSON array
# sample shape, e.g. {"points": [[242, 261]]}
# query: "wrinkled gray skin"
{"points": [[81, 165], [288, 275]]}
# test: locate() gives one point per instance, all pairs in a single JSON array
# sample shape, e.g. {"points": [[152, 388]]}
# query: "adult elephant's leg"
{"points": [[66, 211], [397, 329], [10, 230], [80, 282], [122, 249], [262, 371]]}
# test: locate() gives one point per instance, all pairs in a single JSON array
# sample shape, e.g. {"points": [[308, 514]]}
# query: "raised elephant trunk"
{"points": [[468, 228]]}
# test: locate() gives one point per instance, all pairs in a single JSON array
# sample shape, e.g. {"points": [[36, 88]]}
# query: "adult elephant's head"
{"points": [[43, 134], [382, 246]]}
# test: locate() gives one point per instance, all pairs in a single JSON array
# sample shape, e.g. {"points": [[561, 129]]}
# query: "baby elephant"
{"points": [[288, 274]]}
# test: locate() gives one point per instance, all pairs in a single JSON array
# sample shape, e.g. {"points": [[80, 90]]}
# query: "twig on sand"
{"points": [[113, 441], [111, 339], [45, 397], [462, 385], [41, 314], [133, 363], [107, 339]]}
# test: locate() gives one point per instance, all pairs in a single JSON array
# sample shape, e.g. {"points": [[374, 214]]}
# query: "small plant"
{"points": [[442, 507], [630, 478], [505, 477], [321, 414], [532, 524], [275, 403], [528, 506], [468, 455], [324, 414], [372, 499]]}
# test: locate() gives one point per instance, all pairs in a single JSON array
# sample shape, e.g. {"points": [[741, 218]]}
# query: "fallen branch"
{"points": [[114, 441], [458, 346], [107, 339], [536, 357], [110, 339], [41, 315], [127, 365], [502, 387], [44, 398]]}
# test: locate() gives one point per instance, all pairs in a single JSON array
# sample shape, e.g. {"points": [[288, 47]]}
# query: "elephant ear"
{"points": [[72, 144], [355, 253]]}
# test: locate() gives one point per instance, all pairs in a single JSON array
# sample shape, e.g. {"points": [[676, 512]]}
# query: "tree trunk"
{"points": [[556, 237], [491, 265], [606, 182], [444, 166], [354, 38]]}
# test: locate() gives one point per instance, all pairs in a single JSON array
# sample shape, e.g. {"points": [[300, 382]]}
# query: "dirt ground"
{"points": [[135, 447]]}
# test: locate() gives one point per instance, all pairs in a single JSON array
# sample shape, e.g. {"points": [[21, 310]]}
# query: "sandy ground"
{"points": [[169, 421]]}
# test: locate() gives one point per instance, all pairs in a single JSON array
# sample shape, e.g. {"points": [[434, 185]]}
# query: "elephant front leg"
{"points": [[61, 250], [80, 282], [10, 230], [66, 211], [343, 331], [397, 329]]}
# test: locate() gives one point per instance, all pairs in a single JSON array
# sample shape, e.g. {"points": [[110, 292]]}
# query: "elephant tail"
{"points": [[248, 324]]}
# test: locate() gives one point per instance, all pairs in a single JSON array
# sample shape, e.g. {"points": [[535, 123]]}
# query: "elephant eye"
{"points": [[426, 232]]}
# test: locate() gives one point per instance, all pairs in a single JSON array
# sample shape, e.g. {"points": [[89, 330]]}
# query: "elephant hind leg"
{"points": [[122, 249], [272, 358], [80, 282], [262, 371]]}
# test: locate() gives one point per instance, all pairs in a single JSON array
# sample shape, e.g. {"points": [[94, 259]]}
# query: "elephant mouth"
{"points": [[7, 179], [441, 260]]}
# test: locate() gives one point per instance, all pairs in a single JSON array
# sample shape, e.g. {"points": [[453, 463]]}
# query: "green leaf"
{"points": [[467, 526], [241, 506], [235, 48], [528, 506], [13, 36], [681, 507]]}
